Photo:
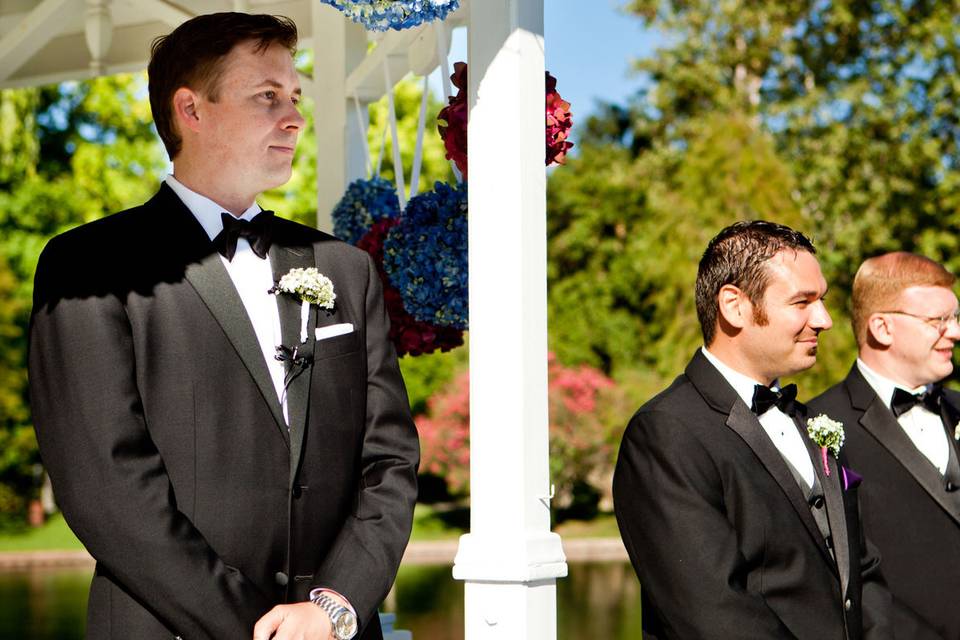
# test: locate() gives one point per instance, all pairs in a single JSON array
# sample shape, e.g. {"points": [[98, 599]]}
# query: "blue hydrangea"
{"points": [[380, 15], [365, 203], [425, 256]]}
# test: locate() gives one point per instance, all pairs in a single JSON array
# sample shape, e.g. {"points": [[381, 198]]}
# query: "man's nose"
{"points": [[292, 120], [820, 318]]}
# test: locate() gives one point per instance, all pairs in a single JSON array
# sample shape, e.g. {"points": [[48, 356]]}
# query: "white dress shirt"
{"points": [[922, 426], [251, 275], [779, 427]]}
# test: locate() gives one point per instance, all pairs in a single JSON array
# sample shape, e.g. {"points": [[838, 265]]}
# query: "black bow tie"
{"points": [[765, 398], [256, 231], [903, 400]]}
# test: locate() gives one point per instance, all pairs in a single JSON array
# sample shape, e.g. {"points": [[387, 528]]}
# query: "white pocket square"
{"points": [[322, 333]]}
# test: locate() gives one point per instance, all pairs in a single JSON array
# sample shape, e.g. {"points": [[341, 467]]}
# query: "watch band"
{"points": [[336, 612]]}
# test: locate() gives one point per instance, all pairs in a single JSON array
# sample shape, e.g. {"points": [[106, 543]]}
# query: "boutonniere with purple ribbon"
{"points": [[311, 287], [829, 436]]}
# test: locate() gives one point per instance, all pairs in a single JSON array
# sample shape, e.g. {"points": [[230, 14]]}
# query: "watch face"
{"points": [[345, 625]]}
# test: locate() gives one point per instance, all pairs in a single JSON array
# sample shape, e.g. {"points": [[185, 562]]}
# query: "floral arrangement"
{"points": [[365, 203], [380, 15], [409, 335], [309, 285], [559, 122], [425, 256], [452, 122], [829, 436]]}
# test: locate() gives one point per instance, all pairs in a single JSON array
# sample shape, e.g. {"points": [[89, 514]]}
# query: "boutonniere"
{"points": [[956, 432], [311, 287], [828, 434]]}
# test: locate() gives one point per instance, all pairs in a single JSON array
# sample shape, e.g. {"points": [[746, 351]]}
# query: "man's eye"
{"points": [[269, 95]]}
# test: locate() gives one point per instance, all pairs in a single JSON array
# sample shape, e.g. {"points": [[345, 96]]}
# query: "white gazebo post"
{"points": [[510, 560], [338, 46]]}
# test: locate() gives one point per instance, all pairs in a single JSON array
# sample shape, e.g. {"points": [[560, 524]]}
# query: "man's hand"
{"points": [[301, 621]]}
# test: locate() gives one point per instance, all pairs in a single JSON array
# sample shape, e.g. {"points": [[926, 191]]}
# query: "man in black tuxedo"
{"points": [[737, 525], [902, 433], [224, 493]]}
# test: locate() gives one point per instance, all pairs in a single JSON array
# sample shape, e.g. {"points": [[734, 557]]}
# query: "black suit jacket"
{"points": [[722, 537], [169, 455], [910, 511]]}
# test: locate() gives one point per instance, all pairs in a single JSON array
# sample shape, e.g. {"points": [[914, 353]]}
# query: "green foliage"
{"points": [[837, 119], [407, 96]]}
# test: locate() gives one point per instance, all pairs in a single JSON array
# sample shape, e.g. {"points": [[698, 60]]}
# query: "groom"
{"points": [[239, 463], [735, 524]]}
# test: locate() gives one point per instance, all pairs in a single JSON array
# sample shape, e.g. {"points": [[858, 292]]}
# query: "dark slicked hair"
{"points": [[738, 256], [192, 56]]}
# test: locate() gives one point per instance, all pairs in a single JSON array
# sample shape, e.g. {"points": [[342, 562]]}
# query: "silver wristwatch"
{"points": [[343, 621]]}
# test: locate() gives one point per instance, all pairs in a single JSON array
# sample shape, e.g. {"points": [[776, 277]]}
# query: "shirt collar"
{"points": [[883, 386], [206, 211], [741, 383]]}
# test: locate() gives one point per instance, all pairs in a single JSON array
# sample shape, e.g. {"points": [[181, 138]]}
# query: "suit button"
{"points": [[281, 578], [297, 491], [951, 487], [847, 604], [818, 502], [829, 542]]}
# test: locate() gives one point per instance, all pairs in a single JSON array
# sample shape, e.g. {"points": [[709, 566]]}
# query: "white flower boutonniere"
{"points": [[311, 287], [829, 436], [956, 432]]}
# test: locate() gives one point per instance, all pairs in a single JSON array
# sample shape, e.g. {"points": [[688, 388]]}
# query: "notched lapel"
{"points": [[283, 258], [213, 284]]}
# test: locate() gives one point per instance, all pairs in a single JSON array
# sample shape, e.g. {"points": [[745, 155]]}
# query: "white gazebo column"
{"points": [[338, 46], [510, 560]]}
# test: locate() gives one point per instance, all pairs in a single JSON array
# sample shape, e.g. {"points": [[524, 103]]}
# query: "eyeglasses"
{"points": [[940, 323]]}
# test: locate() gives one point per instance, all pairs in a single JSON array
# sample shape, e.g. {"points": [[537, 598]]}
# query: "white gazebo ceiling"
{"points": [[49, 41]]}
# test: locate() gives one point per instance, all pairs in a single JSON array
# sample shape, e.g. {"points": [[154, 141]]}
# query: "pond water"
{"points": [[597, 599]]}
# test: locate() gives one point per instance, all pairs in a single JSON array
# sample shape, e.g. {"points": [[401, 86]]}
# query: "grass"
{"points": [[53, 535], [429, 523]]}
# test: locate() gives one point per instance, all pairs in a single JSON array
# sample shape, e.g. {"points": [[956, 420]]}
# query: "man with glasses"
{"points": [[901, 435]]}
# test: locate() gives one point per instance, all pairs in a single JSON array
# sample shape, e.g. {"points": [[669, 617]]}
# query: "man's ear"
{"points": [[880, 329], [734, 306], [186, 109]]}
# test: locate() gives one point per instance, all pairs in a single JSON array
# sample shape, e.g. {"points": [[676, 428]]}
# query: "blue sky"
{"points": [[589, 45]]}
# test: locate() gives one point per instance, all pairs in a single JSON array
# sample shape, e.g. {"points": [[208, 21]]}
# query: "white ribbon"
{"points": [[397, 159], [304, 316], [362, 128], [418, 150]]}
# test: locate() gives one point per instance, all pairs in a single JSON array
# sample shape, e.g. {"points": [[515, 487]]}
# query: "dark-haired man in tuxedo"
{"points": [[239, 461], [737, 525], [902, 429]]}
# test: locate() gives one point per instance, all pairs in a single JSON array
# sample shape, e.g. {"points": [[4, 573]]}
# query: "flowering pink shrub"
{"points": [[586, 416]]}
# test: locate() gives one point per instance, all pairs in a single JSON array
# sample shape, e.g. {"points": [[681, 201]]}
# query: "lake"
{"points": [[597, 599]]}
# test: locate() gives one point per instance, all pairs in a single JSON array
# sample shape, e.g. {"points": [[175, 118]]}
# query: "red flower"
{"points": [[452, 122], [407, 334]]}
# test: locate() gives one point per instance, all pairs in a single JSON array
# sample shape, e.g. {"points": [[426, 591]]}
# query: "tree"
{"points": [[835, 118]]}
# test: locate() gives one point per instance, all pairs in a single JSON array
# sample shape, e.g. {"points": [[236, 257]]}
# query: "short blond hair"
{"points": [[881, 279]]}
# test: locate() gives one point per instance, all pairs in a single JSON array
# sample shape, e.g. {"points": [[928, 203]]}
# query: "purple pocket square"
{"points": [[851, 479]]}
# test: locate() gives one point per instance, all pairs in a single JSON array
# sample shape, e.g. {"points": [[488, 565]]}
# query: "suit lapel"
{"points": [[879, 421], [833, 500], [284, 257], [206, 274], [721, 396]]}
